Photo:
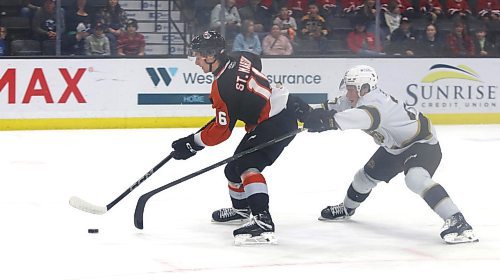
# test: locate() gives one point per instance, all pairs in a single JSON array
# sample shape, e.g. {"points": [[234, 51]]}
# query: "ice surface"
{"points": [[393, 235]]}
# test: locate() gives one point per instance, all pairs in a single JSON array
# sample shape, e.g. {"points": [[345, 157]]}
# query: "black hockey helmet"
{"points": [[210, 43]]}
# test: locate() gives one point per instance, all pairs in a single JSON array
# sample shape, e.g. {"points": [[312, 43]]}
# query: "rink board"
{"points": [[146, 93]]}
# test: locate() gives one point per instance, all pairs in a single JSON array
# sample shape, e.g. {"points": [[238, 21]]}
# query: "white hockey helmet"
{"points": [[363, 77]]}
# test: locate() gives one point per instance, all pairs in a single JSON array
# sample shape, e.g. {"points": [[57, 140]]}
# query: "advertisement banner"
{"points": [[134, 88]]}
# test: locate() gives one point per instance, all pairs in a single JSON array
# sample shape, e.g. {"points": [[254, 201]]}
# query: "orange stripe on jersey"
{"points": [[264, 114], [219, 130], [236, 188], [253, 178]]}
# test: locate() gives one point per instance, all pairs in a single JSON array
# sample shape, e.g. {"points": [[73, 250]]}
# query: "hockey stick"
{"points": [[83, 205], [141, 203]]}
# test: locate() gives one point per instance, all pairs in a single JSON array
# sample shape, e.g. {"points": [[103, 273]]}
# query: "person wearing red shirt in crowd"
{"points": [[432, 9], [457, 8], [360, 41], [488, 9], [131, 43], [458, 42]]}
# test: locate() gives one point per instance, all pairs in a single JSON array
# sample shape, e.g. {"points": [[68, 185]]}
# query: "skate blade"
{"points": [[321, 218], [466, 237], [247, 239], [232, 222]]}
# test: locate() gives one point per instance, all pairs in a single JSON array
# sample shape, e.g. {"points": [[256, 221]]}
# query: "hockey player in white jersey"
{"points": [[408, 144]]}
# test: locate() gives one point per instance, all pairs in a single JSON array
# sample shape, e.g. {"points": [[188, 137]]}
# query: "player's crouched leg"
{"points": [[456, 229], [260, 229]]}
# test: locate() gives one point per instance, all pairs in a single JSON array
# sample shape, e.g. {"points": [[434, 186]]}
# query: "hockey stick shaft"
{"points": [[138, 182], [141, 203], [80, 204]]}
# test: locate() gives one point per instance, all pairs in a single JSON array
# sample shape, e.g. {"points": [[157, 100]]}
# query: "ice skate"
{"points": [[260, 230], [231, 216], [337, 212], [457, 230]]}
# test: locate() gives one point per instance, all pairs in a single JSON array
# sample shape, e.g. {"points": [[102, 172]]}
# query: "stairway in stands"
{"points": [[163, 36]]}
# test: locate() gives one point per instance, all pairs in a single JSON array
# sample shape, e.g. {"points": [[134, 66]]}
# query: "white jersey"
{"points": [[392, 124]]}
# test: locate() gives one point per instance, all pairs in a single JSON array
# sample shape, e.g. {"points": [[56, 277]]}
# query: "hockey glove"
{"points": [[300, 108], [185, 148], [320, 120]]}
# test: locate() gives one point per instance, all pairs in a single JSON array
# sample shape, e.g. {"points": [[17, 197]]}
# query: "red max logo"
{"points": [[9, 79]]}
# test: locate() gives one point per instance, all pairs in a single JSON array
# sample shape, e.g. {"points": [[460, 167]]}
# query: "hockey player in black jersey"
{"points": [[408, 143], [241, 92]]}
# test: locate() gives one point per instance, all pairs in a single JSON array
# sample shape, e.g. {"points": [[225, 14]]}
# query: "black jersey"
{"points": [[241, 92]]}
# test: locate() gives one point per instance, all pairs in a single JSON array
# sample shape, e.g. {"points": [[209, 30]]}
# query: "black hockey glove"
{"points": [[320, 120], [185, 148], [300, 108]]}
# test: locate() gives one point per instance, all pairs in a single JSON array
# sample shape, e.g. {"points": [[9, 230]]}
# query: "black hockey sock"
{"points": [[434, 195], [239, 203], [356, 196], [258, 203]]}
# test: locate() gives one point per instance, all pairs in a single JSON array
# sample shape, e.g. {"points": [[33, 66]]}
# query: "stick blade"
{"points": [[83, 205], [139, 212]]}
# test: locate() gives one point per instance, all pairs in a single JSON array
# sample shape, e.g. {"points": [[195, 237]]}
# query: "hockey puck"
{"points": [[93, 230]]}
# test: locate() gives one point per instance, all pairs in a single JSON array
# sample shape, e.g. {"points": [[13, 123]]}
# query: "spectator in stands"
{"points": [[299, 9], [29, 7], [97, 44], [350, 7], [4, 43], [392, 16], [488, 9], [260, 11], [457, 9], [405, 6], [431, 9], [80, 13], [202, 11], [362, 42], [431, 43], [247, 40], [113, 18], [482, 46], [287, 23], [327, 8], [78, 21], [403, 38], [368, 11], [276, 43], [232, 17], [458, 42], [314, 28], [131, 42], [45, 21]]}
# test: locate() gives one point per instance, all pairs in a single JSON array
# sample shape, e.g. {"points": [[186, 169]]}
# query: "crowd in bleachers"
{"points": [[354, 27], [268, 27], [87, 27]]}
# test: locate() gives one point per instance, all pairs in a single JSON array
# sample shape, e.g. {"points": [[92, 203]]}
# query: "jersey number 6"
{"points": [[221, 118]]}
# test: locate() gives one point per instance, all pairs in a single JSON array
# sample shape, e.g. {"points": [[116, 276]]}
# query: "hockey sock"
{"points": [[354, 198], [255, 187], [438, 200]]}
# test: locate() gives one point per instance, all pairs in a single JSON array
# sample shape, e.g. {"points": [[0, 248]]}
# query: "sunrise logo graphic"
{"points": [[444, 71]]}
